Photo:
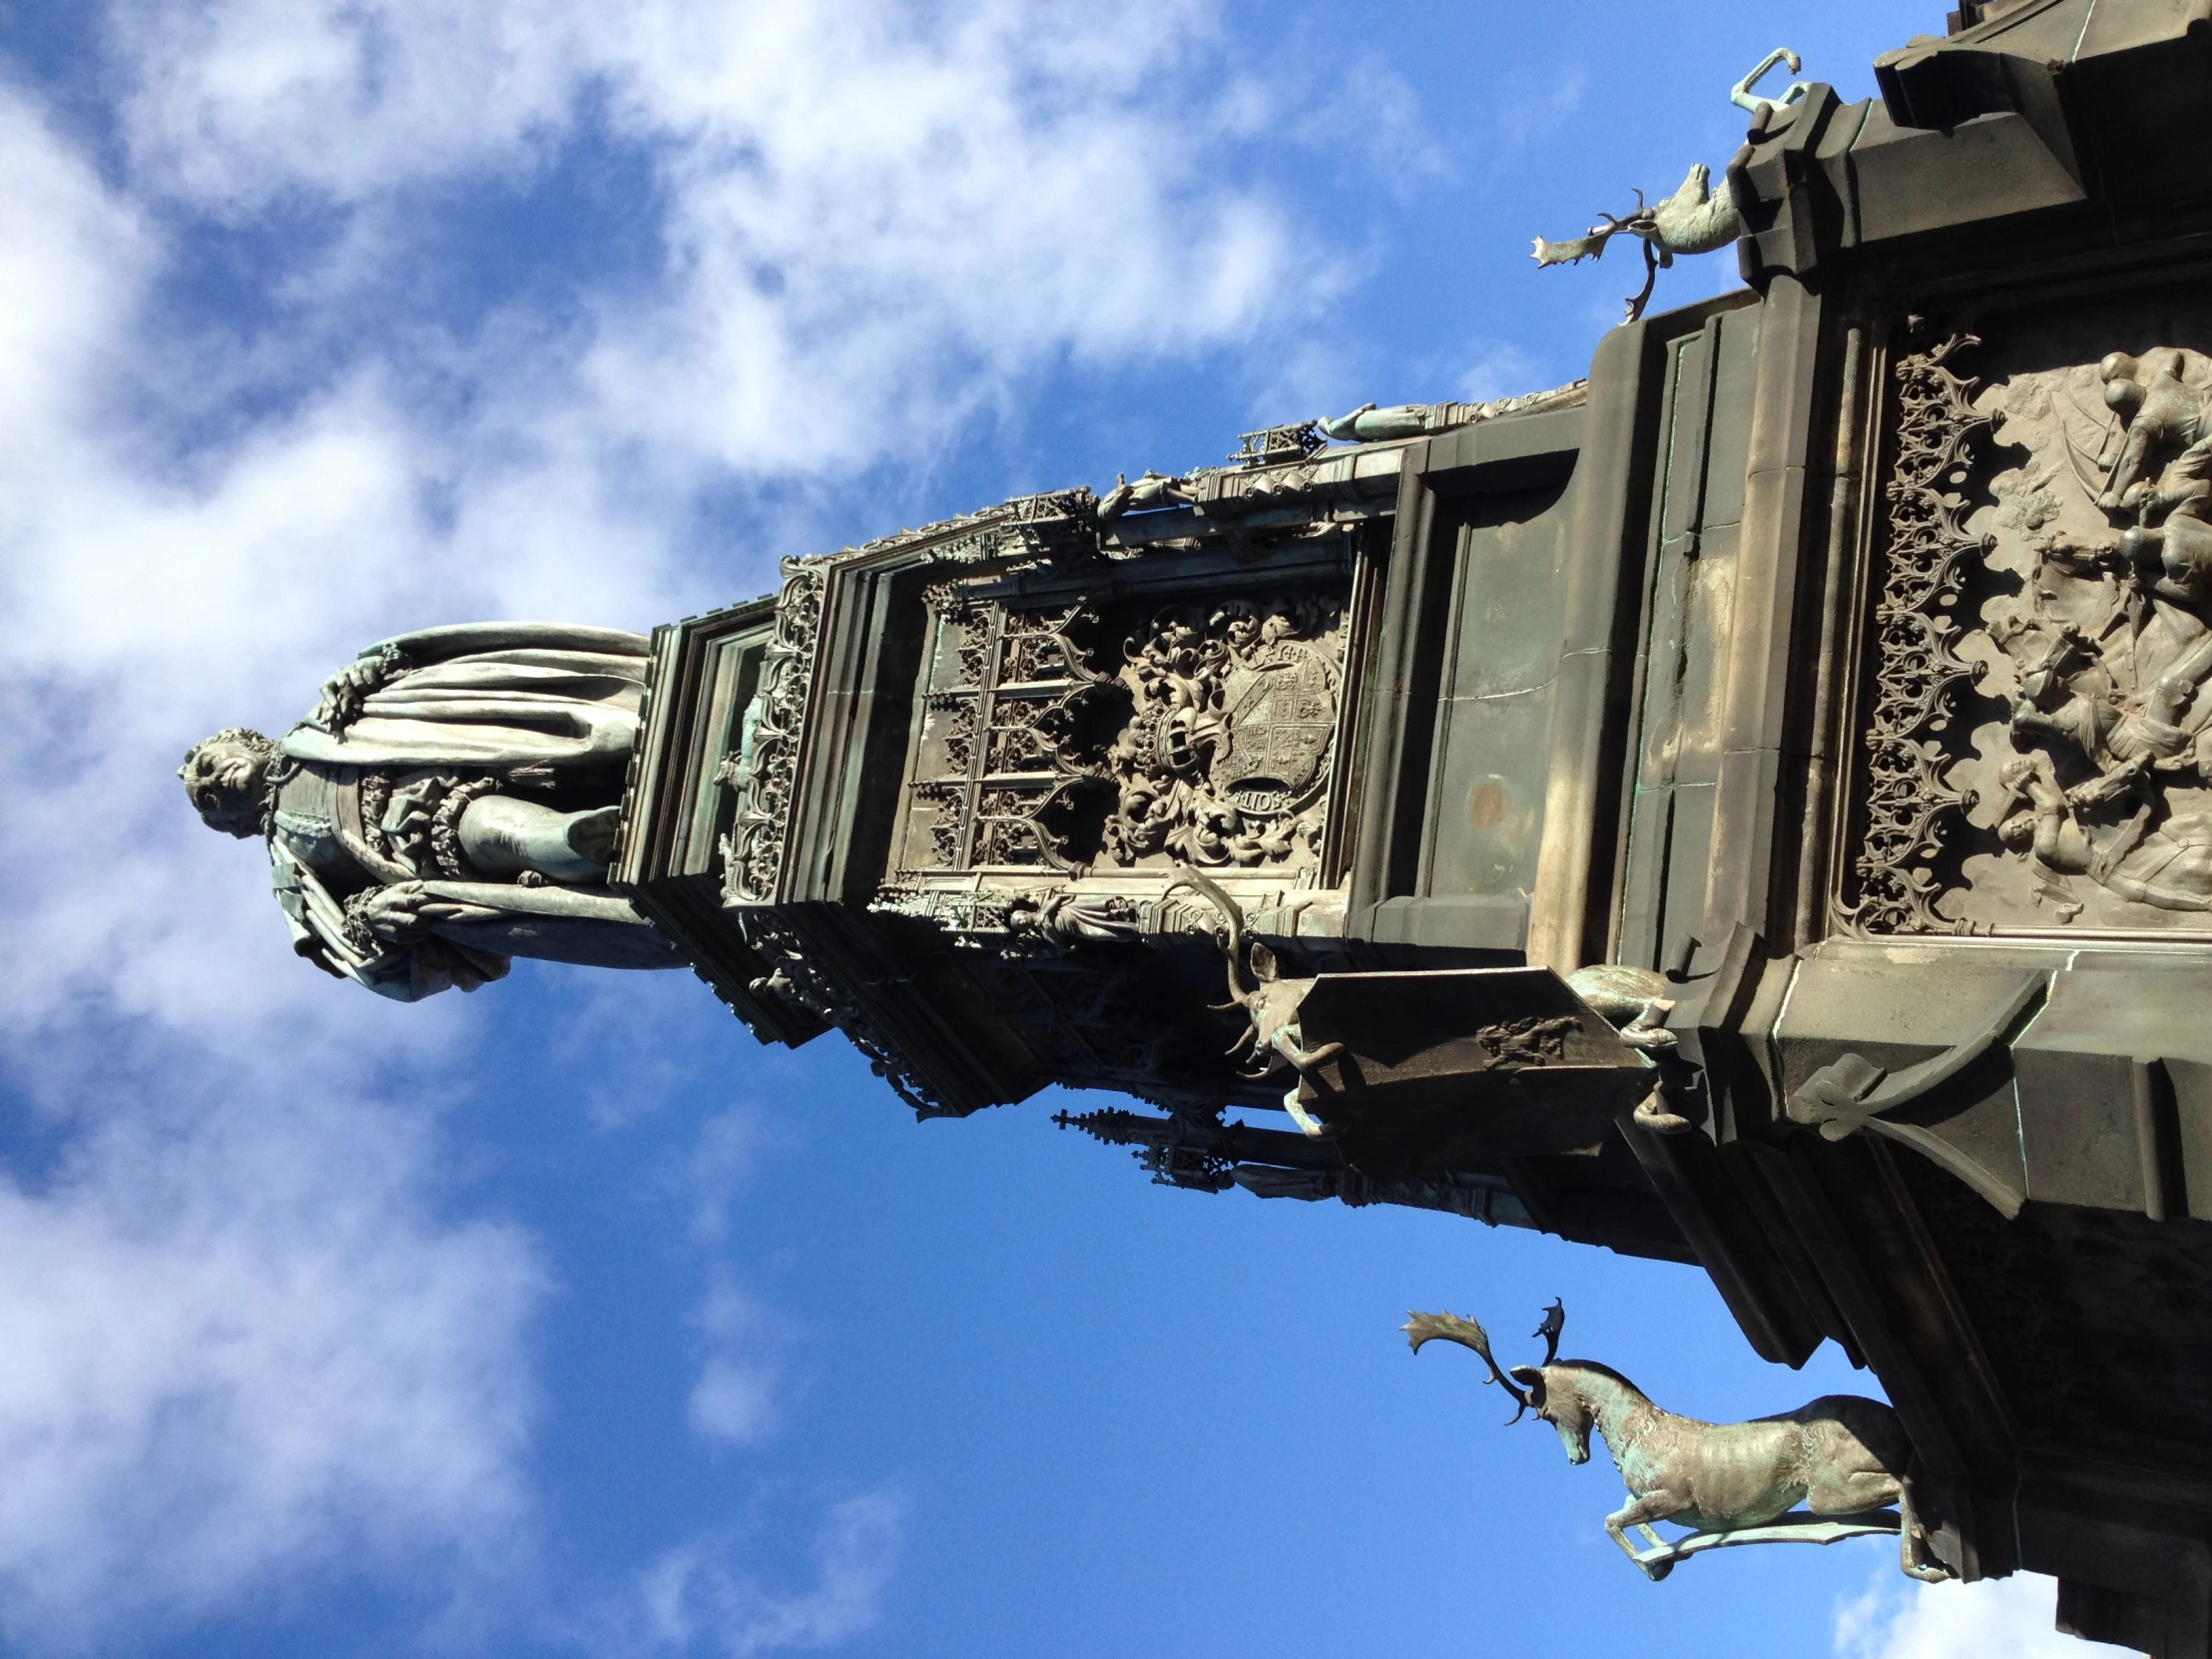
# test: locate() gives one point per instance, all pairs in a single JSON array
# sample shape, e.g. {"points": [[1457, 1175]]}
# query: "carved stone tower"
{"points": [[1838, 656]]}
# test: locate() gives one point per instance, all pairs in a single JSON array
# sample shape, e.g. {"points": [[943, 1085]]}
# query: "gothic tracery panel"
{"points": [[1069, 735]]}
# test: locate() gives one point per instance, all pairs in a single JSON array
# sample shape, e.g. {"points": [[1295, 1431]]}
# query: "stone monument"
{"points": [[1750, 808]]}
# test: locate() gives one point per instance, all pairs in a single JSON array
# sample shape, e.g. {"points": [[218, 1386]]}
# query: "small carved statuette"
{"points": [[1270, 1004]]}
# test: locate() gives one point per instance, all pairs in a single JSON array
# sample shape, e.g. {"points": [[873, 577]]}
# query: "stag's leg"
{"points": [[1653, 1114], [1289, 1042], [1648, 1030], [1309, 1125], [1854, 1492], [1914, 1555], [1640, 1511]]}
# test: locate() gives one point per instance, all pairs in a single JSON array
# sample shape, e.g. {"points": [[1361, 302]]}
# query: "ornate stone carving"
{"points": [[2112, 646], [2076, 792], [768, 760], [1228, 749], [1208, 746], [1527, 1042], [1028, 529], [1275, 445], [1023, 922], [804, 982], [1203, 1154], [1937, 434]]}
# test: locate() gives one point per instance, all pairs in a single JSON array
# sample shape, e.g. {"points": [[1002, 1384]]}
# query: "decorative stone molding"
{"points": [[1927, 552], [752, 851]]}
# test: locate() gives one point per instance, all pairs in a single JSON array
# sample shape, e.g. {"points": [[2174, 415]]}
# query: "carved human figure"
{"points": [[2124, 723], [450, 804], [1153, 489], [2115, 650], [1368, 424], [2164, 416], [2168, 866], [1059, 921]]}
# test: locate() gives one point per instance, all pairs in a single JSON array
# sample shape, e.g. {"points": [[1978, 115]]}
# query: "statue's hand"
{"points": [[2109, 786], [398, 913], [405, 910], [345, 691]]}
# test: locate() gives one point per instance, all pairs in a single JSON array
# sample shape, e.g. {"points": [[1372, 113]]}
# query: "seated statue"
{"points": [[450, 804]]}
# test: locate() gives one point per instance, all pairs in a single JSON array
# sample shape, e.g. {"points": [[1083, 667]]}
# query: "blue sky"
{"points": [[562, 1320]]}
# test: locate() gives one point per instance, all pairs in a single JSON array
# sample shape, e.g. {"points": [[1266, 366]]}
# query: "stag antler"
{"points": [[1422, 1328], [1232, 948], [1643, 224], [1555, 1320]]}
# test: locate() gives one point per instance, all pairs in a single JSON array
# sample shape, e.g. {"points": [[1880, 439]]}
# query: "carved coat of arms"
{"points": [[1236, 715]]}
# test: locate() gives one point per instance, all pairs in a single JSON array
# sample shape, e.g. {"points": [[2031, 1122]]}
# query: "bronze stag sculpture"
{"points": [[1843, 1457]]}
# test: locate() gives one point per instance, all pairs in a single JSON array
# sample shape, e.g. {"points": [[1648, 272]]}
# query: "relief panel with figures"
{"points": [[2038, 753]]}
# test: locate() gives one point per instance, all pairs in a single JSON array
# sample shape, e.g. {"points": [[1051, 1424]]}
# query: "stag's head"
{"points": [[1551, 1394]]}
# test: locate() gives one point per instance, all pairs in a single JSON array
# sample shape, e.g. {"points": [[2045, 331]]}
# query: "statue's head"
{"points": [[223, 778], [2123, 387]]}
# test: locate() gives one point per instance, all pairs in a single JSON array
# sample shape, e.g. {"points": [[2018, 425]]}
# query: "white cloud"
{"points": [[728, 1144], [249, 1340], [1499, 371], [241, 101], [2012, 1616], [734, 1398], [198, 528], [871, 214], [693, 1600], [1528, 109], [242, 1346]]}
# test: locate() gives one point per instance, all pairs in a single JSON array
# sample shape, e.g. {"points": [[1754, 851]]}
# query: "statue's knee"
{"points": [[502, 837]]}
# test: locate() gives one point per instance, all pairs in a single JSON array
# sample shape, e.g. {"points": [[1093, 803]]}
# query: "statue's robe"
{"points": [[492, 695], [554, 703]]}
